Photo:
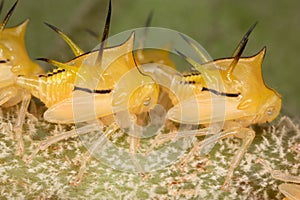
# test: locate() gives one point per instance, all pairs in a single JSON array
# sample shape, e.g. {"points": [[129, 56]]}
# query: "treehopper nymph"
{"points": [[61, 93], [246, 98], [14, 61]]}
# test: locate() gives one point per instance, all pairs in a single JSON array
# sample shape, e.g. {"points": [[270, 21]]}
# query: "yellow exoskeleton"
{"points": [[56, 88], [61, 94], [244, 95], [14, 61], [247, 99]]}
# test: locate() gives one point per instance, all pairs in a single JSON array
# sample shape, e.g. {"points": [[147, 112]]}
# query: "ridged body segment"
{"points": [[50, 88]]}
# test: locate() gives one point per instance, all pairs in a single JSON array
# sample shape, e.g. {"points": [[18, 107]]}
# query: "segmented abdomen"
{"points": [[50, 88]]}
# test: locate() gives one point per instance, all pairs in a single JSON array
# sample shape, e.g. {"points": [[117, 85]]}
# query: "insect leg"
{"points": [[278, 174], [247, 135], [175, 135], [134, 143], [20, 122], [96, 146], [199, 145], [63, 136], [292, 191], [86, 158]]}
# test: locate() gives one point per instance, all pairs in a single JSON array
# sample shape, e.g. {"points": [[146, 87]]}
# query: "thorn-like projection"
{"points": [[104, 36], [238, 51], [204, 57], [8, 15], [74, 47]]}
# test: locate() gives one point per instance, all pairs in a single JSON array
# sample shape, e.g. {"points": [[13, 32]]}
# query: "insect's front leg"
{"points": [[20, 121], [292, 191]]}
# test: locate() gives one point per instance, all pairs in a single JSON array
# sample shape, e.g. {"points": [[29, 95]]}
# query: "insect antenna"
{"points": [[74, 47], [239, 50], [8, 15], [104, 36]]}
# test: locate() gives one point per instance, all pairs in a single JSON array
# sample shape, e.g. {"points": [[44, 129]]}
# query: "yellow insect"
{"points": [[244, 97], [61, 94], [56, 88], [14, 61]]}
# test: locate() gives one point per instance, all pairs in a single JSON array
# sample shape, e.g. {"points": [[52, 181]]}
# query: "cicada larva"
{"points": [[245, 97], [14, 61]]}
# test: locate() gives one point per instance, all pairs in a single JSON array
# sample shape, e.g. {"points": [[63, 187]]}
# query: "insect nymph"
{"points": [[14, 61], [244, 95]]}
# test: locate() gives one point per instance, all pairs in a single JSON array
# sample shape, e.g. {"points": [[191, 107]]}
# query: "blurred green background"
{"points": [[217, 25]]}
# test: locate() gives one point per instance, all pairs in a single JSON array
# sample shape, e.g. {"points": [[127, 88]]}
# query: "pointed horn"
{"points": [[104, 36], [149, 19], [139, 52], [59, 64], [189, 60], [74, 47], [204, 57], [4, 22], [239, 50], [147, 24], [92, 33]]}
